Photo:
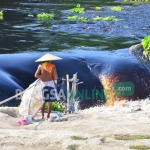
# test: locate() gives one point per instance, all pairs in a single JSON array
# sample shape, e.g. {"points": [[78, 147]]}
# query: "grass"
{"points": [[72, 147], [146, 45], [132, 137], [78, 138], [139, 147], [107, 18], [117, 8], [45, 16], [77, 9]]}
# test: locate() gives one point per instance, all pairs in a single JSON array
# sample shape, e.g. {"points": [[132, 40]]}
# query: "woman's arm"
{"points": [[38, 71]]}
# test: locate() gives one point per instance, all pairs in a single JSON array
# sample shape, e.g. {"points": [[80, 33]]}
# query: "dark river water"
{"points": [[20, 33]]}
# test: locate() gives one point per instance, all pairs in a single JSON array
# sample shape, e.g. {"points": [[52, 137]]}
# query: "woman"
{"points": [[47, 73]]}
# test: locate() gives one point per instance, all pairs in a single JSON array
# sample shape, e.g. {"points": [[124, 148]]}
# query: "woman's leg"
{"points": [[49, 109]]}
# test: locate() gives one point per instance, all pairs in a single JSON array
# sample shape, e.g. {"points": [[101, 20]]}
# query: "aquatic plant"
{"points": [[139, 147], [110, 18], [45, 16], [146, 45], [97, 18], [117, 8], [136, 0], [107, 18], [135, 4], [98, 8], [83, 19], [1, 15], [77, 9], [30, 15], [72, 17]]}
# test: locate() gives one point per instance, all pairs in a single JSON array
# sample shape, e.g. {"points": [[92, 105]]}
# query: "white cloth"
{"points": [[50, 85]]}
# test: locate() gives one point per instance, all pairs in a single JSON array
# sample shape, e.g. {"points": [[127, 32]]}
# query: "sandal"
{"points": [[21, 122]]}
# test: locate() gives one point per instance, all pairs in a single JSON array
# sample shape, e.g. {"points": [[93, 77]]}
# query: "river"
{"points": [[20, 33]]}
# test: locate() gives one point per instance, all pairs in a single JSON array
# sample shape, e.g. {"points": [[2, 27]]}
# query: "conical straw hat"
{"points": [[48, 57]]}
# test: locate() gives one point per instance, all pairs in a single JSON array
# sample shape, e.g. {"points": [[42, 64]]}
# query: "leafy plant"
{"points": [[146, 44], [98, 8], [1, 15], [136, 0], [30, 15], [83, 19], [77, 9], [97, 18], [107, 18], [140, 147], [56, 106], [45, 16], [110, 18], [72, 17], [117, 8]]}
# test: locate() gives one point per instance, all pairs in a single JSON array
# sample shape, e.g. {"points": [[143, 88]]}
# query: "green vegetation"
{"points": [[81, 19], [77, 9], [56, 106], [140, 147], [45, 16], [72, 17], [135, 4], [30, 15], [1, 15], [146, 45], [98, 8], [97, 18], [78, 138], [136, 0], [132, 137], [72, 147], [107, 18], [117, 8]]}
